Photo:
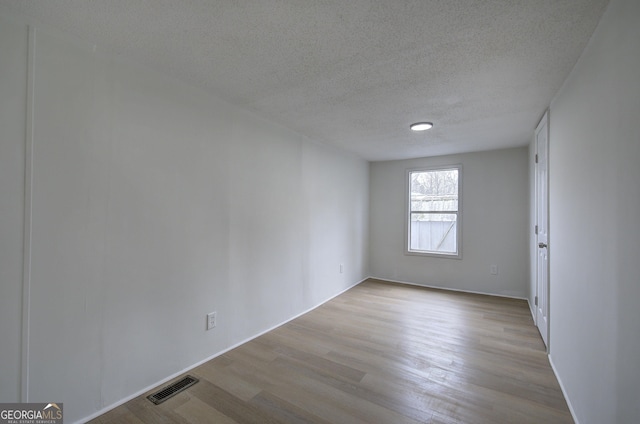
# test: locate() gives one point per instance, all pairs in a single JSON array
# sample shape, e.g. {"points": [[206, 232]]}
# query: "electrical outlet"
{"points": [[341, 268], [211, 320], [494, 269]]}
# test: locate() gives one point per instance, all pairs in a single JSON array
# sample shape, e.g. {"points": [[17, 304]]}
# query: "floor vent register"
{"points": [[172, 389]]}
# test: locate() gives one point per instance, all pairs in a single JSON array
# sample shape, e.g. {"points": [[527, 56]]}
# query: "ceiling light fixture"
{"points": [[421, 126]]}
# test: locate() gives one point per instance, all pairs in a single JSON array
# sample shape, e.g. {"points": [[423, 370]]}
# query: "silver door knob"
{"points": [[542, 245]]}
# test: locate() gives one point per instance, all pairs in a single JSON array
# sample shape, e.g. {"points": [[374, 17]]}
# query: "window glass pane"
{"points": [[434, 190], [433, 232]]}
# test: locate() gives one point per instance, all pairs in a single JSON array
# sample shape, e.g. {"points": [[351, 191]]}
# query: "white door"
{"points": [[542, 228]]}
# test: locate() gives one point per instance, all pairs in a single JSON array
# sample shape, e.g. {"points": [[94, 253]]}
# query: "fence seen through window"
{"points": [[434, 211]]}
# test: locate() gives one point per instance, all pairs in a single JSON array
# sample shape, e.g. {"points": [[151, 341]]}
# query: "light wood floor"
{"points": [[379, 353]]}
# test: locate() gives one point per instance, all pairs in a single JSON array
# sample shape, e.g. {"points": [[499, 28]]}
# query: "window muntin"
{"points": [[434, 216]]}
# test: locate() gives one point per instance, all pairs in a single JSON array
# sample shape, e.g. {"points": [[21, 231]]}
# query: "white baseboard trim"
{"points": [[564, 392], [215, 355], [533, 311], [448, 288]]}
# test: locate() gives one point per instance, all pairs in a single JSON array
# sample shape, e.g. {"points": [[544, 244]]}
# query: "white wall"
{"points": [[154, 204], [594, 228], [494, 224], [13, 95]]}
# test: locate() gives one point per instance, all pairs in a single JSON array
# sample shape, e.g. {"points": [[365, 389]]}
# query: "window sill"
{"points": [[433, 254]]}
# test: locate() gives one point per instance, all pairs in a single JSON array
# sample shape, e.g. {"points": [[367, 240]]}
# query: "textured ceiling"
{"points": [[354, 73]]}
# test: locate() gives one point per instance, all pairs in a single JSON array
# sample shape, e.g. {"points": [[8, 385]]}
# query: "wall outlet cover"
{"points": [[211, 320]]}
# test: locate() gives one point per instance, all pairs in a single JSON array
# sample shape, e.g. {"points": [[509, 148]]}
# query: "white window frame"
{"points": [[407, 217]]}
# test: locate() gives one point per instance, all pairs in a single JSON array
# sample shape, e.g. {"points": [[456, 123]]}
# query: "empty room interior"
{"points": [[234, 191]]}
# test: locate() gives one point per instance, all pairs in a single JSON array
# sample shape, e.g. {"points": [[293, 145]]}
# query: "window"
{"points": [[434, 216]]}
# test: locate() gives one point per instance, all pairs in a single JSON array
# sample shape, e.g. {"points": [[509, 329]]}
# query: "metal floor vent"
{"points": [[172, 389]]}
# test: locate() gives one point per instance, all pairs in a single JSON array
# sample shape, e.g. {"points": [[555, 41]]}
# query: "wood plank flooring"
{"points": [[379, 353]]}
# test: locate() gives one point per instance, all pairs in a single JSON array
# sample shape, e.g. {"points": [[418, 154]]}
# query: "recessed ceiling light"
{"points": [[421, 126]]}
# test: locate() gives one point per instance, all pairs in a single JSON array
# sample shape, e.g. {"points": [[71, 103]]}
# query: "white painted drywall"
{"points": [[494, 224], [335, 214], [13, 95], [155, 203], [594, 226]]}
